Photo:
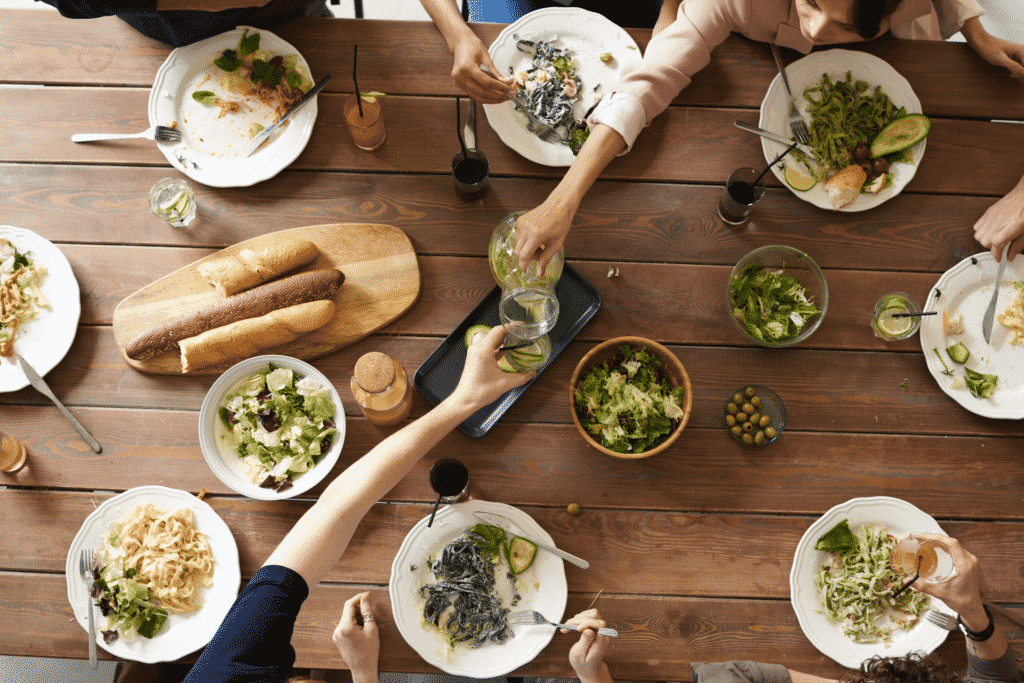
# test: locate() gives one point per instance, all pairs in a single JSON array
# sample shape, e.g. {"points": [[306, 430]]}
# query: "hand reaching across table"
{"points": [[587, 655], [359, 643], [1003, 222]]}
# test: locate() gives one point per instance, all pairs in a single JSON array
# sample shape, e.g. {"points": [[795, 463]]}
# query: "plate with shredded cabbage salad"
{"points": [[843, 602], [845, 97]]}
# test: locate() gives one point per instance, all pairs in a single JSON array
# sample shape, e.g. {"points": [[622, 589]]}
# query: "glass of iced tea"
{"points": [[937, 563], [366, 124]]}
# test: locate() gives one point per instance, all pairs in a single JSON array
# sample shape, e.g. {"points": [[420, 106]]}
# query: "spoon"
{"points": [[907, 584]]}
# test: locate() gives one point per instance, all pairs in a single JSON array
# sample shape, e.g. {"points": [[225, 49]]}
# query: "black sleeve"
{"points": [[1004, 669], [90, 9]]}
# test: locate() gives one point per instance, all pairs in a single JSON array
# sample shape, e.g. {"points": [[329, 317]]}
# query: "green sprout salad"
{"points": [[280, 424], [772, 306], [628, 404], [856, 587]]}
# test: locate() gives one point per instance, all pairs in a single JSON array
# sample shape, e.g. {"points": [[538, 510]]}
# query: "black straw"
{"points": [[907, 584], [521, 345], [777, 160], [359, 97], [434, 511], [458, 126], [913, 315]]}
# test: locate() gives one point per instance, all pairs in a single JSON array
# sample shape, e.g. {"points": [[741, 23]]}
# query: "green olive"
{"points": [[759, 439], [755, 401], [764, 421], [741, 417], [749, 392], [737, 398], [730, 420], [748, 426], [732, 408], [748, 440], [748, 408], [770, 432], [755, 418], [736, 431]]}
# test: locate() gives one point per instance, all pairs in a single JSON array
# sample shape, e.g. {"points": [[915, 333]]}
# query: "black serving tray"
{"points": [[578, 302]]}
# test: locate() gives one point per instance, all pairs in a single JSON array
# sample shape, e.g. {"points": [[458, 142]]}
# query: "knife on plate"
{"points": [[469, 132], [498, 520], [262, 136], [765, 134], [36, 381]]}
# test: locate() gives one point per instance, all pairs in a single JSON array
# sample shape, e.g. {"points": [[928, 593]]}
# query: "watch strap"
{"points": [[978, 636]]}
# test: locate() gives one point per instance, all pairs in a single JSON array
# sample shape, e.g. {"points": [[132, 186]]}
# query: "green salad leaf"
{"points": [[980, 384], [772, 306], [628, 404], [490, 539], [838, 539]]}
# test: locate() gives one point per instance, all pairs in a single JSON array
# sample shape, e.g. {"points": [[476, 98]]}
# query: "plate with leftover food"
{"points": [[221, 92], [186, 540], [271, 427], [470, 636], [39, 305], [565, 59], [986, 379], [873, 87], [870, 519]]}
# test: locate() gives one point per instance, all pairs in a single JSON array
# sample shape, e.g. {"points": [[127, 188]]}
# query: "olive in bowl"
{"points": [[754, 415]]}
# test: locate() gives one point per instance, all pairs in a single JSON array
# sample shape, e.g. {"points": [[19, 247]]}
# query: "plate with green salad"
{"points": [[842, 599], [846, 97]]}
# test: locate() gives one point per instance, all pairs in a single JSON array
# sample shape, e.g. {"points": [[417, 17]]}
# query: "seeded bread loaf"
{"points": [[250, 267], [314, 285]]}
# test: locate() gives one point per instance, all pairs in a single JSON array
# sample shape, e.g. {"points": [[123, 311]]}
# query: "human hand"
{"points": [[994, 50], [482, 380], [540, 235], [1003, 223], [475, 74], [587, 655], [359, 645], [962, 591]]}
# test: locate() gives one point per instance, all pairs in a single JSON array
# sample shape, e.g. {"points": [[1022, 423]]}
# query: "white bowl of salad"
{"points": [[271, 427]]}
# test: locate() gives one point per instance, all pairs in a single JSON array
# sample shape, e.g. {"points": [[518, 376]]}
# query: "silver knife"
{"points": [[262, 136], [764, 133], [469, 132], [990, 312], [497, 520], [36, 381]]}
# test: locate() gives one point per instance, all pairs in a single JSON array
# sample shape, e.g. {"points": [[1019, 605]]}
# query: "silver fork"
{"points": [[529, 617], [85, 569], [796, 122], [542, 130], [941, 619], [158, 133]]}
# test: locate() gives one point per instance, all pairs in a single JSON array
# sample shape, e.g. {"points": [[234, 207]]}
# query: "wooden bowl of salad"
{"points": [[645, 406]]}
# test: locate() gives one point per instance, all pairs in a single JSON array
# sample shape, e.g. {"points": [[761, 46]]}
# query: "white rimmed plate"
{"points": [[185, 632], [212, 149], [806, 72], [410, 570], [45, 341], [588, 35], [900, 518], [217, 443], [967, 288]]}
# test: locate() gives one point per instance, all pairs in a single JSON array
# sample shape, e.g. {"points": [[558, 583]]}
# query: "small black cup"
{"points": [[449, 478], [471, 171]]}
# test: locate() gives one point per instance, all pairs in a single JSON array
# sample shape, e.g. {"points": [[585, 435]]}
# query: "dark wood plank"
{"points": [[682, 145]]}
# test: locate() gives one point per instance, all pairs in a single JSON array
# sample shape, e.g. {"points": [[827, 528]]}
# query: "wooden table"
{"points": [[692, 548]]}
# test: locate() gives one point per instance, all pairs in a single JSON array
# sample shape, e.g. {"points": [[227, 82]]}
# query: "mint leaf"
{"points": [[248, 43], [838, 539], [266, 73], [228, 61]]}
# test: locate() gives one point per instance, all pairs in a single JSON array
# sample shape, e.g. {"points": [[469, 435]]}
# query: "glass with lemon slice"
{"points": [[885, 322]]}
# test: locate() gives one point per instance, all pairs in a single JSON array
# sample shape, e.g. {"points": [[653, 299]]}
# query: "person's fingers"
{"points": [[599, 648], [366, 609], [348, 614]]}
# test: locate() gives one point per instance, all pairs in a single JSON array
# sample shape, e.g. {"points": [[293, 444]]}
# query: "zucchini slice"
{"points": [[473, 331], [520, 554], [958, 352]]}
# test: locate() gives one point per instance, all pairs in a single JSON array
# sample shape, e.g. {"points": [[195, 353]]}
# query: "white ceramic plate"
{"points": [[212, 149], [900, 518], [548, 596], [806, 72], [45, 341], [967, 288], [588, 35], [216, 441], [183, 633]]}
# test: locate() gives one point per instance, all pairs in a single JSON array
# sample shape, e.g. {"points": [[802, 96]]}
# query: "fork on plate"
{"points": [[85, 569], [530, 617], [941, 619], [158, 133], [542, 130], [796, 122]]}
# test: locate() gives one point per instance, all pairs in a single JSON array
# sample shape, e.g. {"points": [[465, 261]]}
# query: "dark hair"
{"points": [[912, 668], [867, 15]]}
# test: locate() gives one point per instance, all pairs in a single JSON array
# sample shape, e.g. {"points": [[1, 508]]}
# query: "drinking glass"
{"points": [[172, 200], [740, 195], [530, 354], [528, 306], [449, 478], [367, 128], [937, 563], [889, 328], [470, 171]]}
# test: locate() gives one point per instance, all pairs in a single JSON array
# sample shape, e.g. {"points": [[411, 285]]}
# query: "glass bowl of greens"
{"points": [[630, 397], [777, 296]]}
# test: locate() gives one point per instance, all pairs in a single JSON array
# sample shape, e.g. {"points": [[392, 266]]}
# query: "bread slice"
{"points": [[952, 324], [844, 186], [250, 267]]}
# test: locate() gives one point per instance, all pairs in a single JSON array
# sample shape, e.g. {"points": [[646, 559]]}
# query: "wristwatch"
{"points": [[979, 636]]}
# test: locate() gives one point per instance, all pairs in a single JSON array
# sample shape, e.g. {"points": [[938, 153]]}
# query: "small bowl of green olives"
{"points": [[754, 415]]}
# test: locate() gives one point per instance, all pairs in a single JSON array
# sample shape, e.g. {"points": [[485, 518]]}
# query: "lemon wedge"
{"points": [[797, 178]]}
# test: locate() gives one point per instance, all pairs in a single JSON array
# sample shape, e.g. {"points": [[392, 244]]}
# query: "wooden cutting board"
{"points": [[382, 281]]}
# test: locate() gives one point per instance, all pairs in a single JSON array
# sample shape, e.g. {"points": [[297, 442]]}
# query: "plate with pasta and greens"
{"points": [[846, 98], [842, 595]]}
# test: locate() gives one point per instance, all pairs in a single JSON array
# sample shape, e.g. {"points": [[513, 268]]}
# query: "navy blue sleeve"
{"points": [[90, 9], [253, 642]]}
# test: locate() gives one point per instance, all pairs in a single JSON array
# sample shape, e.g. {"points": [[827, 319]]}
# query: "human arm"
{"points": [[469, 53], [328, 525], [587, 655], [1003, 222], [667, 14], [994, 50], [359, 643]]}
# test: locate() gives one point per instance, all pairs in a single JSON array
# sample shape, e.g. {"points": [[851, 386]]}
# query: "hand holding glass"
{"points": [[937, 563]]}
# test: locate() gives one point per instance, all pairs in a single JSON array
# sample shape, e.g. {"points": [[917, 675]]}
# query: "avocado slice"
{"points": [[520, 553], [901, 134]]}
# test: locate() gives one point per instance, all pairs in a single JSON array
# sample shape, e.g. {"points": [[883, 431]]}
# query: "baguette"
{"points": [[248, 337], [297, 289], [250, 267], [844, 186]]}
